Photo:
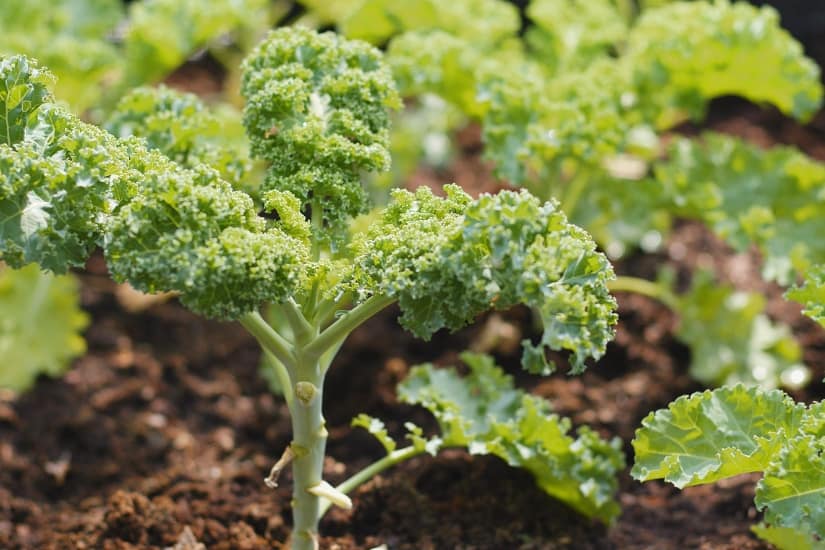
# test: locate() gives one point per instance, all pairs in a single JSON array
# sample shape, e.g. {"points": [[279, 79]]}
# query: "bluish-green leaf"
{"points": [[708, 436], [486, 414]]}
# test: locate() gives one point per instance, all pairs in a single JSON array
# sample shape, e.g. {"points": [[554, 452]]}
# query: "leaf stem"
{"points": [[301, 328], [645, 288], [269, 339], [572, 194], [393, 458], [282, 374], [337, 331]]}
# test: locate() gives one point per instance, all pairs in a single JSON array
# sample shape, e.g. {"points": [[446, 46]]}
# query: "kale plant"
{"points": [[317, 114]]}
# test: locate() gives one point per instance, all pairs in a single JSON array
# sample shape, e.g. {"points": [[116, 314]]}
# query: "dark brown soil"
{"points": [[165, 425]]}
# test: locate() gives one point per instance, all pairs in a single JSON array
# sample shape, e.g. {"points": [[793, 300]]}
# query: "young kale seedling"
{"points": [[317, 113]]}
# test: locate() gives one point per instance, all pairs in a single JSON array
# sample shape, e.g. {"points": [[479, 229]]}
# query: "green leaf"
{"points": [[375, 427], [575, 32], [57, 187], [748, 195], [40, 325], [787, 538], [317, 109], [23, 89], [189, 231], [811, 294], [793, 488], [162, 34], [71, 37], [377, 20], [695, 51], [713, 435], [486, 414], [732, 340], [182, 127], [448, 260], [541, 130]]}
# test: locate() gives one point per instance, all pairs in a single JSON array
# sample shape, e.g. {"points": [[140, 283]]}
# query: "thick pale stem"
{"points": [[308, 446]]}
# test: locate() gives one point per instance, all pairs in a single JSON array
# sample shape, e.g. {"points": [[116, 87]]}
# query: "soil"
{"points": [[161, 435]]}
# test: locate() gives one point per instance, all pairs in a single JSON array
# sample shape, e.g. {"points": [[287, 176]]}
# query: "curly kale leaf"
{"points": [[712, 435], [59, 177], [71, 37], [24, 87], [537, 131], [182, 127], [457, 68], [161, 34], [446, 260], [811, 294], [486, 414], [793, 487], [68, 186], [716, 434], [377, 20], [751, 196], [190, 232], [570, 34], [732, 340], [694, 51], [318, 111]]}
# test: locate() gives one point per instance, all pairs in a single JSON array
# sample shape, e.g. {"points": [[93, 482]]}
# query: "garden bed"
{"points": [[145, 441]]}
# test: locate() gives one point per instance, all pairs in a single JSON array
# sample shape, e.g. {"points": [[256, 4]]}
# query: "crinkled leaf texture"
{"points": [[708, 436], [71, 37], [811, 294], [716, 434], [189, 231], [184, 129], [24, 87], [694, 51], [59, 177], [732, 340], [317, 109], [68, 186], [486, 414], [446, 260], [792, 491], [40, 325], [750, 196]]}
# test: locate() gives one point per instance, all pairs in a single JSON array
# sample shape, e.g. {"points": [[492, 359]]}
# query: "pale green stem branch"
{"points": [[393, 458], [326, 310], [572, 194], [269, 339], [301, 328], [645, 288], [282, 374], [337, 331]]}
